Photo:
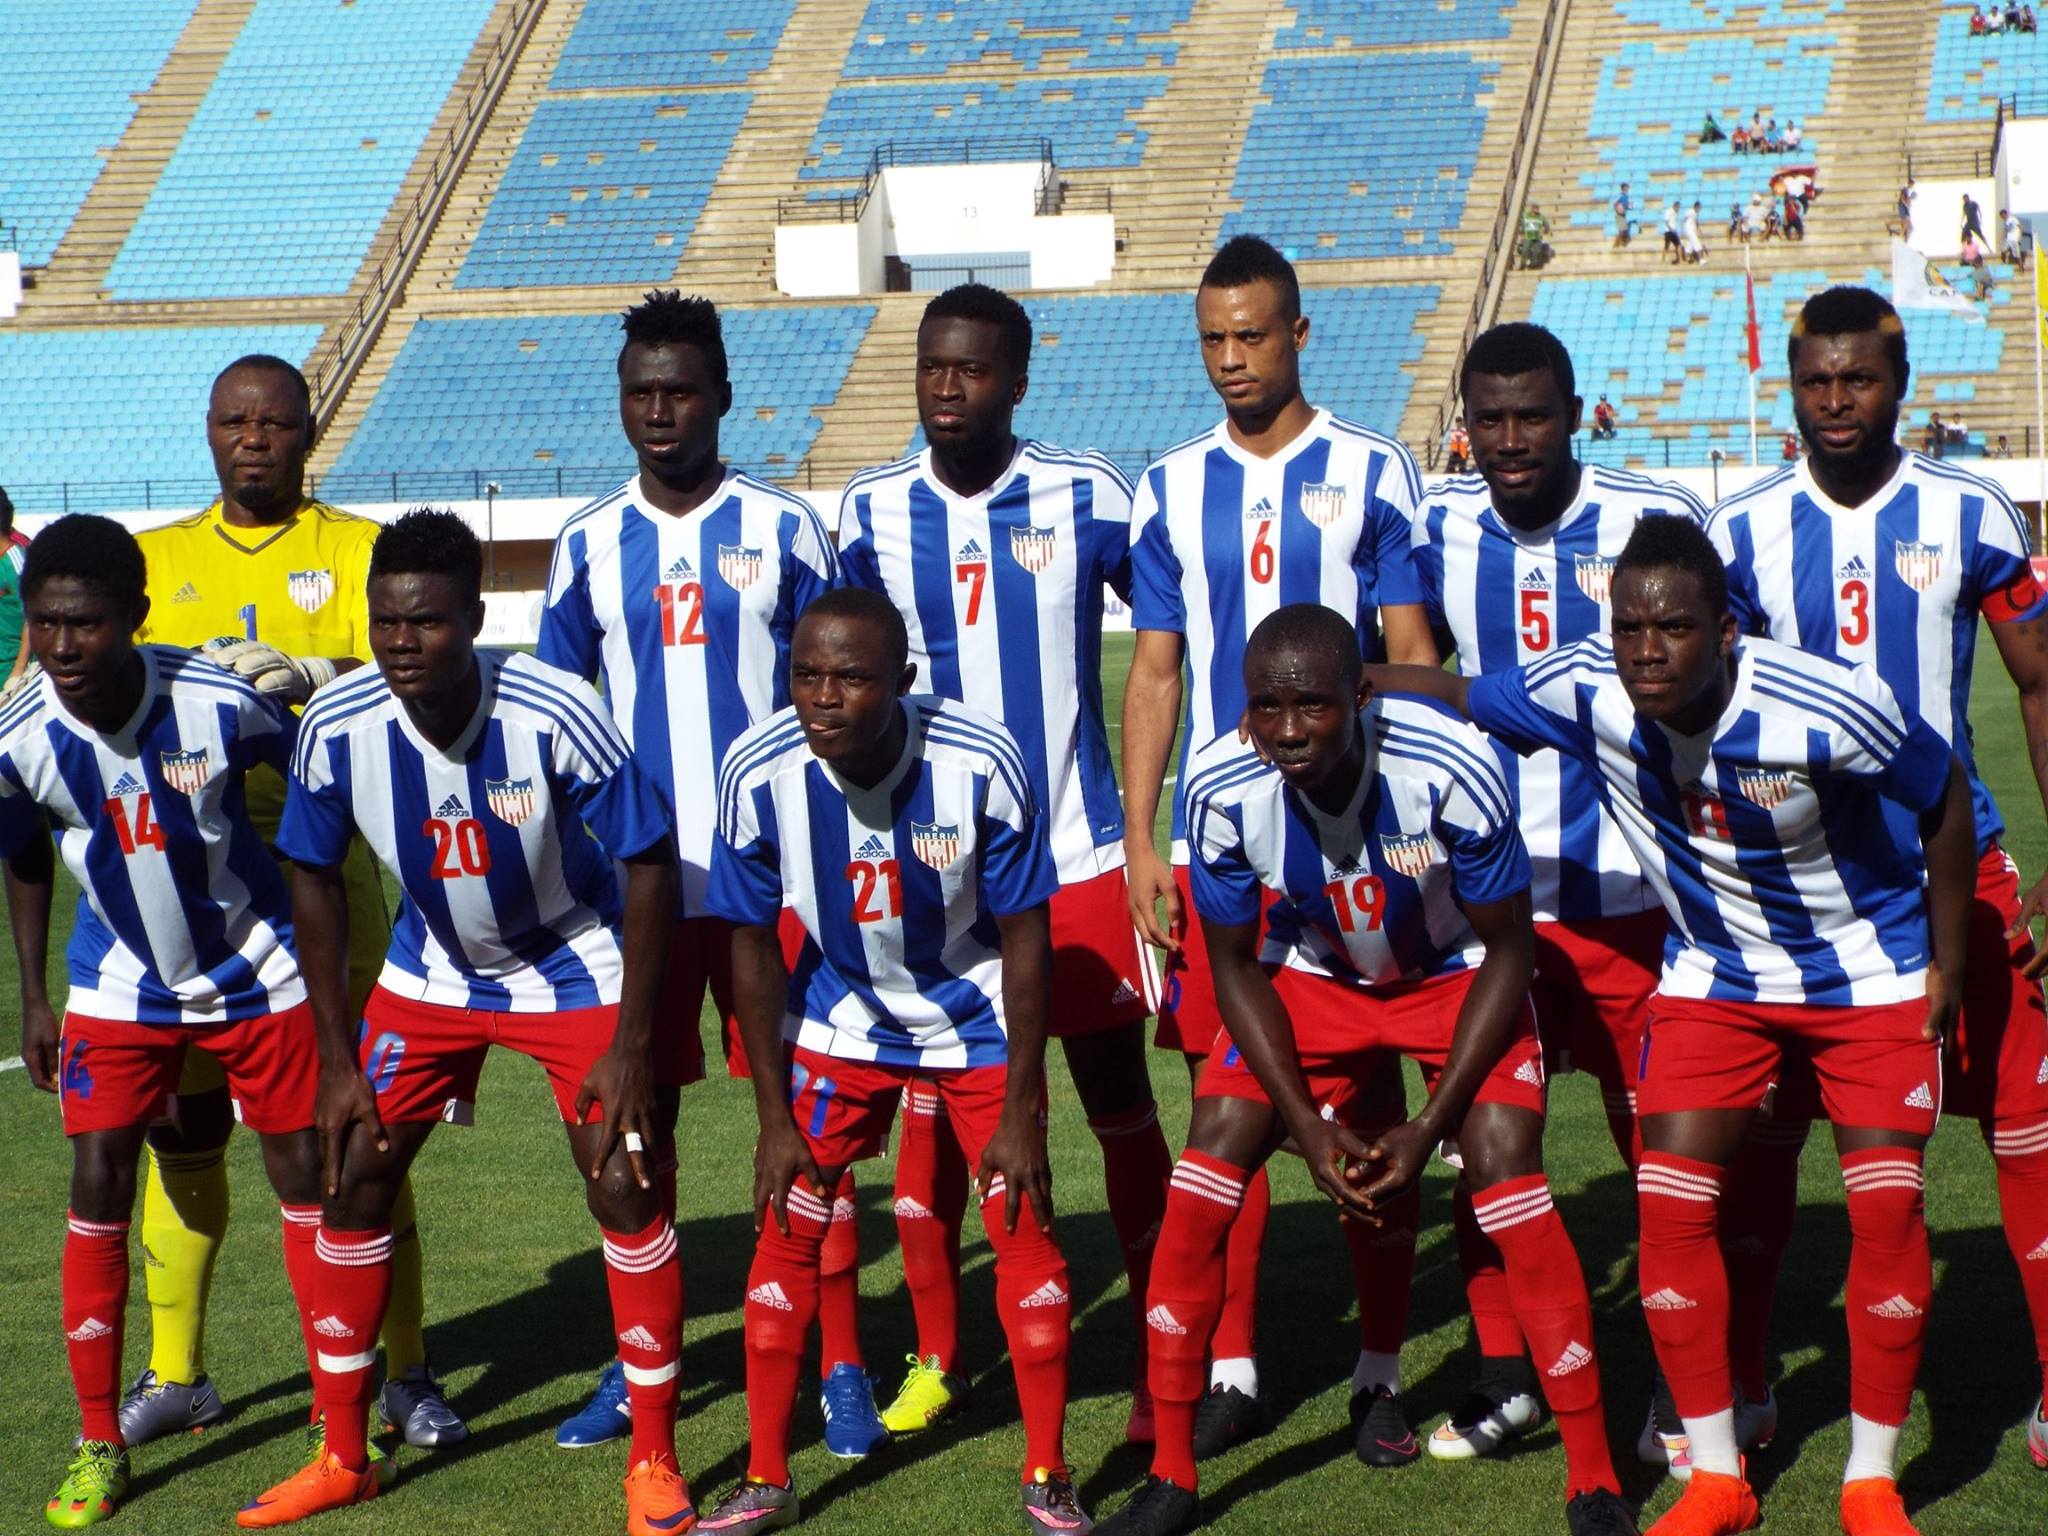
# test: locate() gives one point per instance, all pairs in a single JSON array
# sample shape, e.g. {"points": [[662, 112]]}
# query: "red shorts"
{"points": [[1593, 983], [1870, 1064], [423, 1059], [700, 960], [1097, 964], [845, 1107], [1996, 1065], [1190, 1021], [116, 1073], [1341, 1034]]}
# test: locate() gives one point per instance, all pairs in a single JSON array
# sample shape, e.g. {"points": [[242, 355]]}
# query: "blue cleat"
{"points": [[607, 1416], [852, 1427]]}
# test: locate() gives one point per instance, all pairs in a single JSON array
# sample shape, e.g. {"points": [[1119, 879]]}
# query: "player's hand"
{"points": [[1944, 1002], [1333, 1153], [2032, 905], [1149, 882], [343, 1102], [623, 1083], [1016, 1155], [290, 679], [41, 1053], [1395, 1160], [781, 1157]]}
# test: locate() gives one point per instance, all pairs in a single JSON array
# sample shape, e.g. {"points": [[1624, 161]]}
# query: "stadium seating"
{"points": [[1085, 117], [57, 427], [1713, 15], [1344, 23], [86, 79], [1971, 73], [298, 150], [534, 402], [604, 190], [914, 37], [1393, 183], [1123, 373], [629, 43]]}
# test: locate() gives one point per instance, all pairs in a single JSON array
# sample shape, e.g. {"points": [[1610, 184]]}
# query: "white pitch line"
{"points": [[10, 1064]]}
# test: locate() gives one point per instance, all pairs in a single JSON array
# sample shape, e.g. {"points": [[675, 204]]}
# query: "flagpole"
{"points": [[1748, 283]]}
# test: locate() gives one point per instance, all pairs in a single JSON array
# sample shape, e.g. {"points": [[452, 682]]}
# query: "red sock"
{"points": [[351, 1288], [1234, 1324], [1685, 1287], [1556, 1316], [931, 1199], [646, 1282], [1203, 1203], [1135, 1168], [1757, 1216], [1035, 1303], [1891, 1280], [1383, 1265], [839, 1282], [1494, 1327], [2021, 1155], [95, 1308], [782, 1298], [301, 1232]]}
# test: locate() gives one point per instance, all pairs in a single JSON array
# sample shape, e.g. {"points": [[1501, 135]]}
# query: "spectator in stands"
{"points": [[1937, 436], [1774, 142], [1624, 224], [1973, 221], [1603, 419], [1794, 218], [1793, 137], [2012, 16], [1671, 241], [1457, 448], [1977, 23], [1740, 143], [1710, 131], [1534, 247], [2003, 450], [1756, 128], [1789, 452], [2027, 20], [1908, 194], [2015, 240], [1973, 258], [1755, 218], [1735, 221], [1691, 247], [13, 633]]}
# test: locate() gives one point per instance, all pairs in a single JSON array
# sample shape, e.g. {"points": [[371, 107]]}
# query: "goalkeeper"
{"points": [[271, 586]]}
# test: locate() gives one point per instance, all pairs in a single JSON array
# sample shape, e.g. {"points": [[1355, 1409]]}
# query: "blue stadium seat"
{"points": [[1971, 73], [669, 42], [1341, 23], [1087, 118], [915, 37], [1712, 15]]}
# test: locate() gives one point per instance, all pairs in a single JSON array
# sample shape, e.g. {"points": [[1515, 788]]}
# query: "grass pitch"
{"points": [[518, 1324]]}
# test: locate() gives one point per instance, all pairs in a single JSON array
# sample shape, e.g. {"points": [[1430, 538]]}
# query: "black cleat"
{"points": [[1383, 1436], [1160, 1508], [1599, 1512], [1228, 1417]]}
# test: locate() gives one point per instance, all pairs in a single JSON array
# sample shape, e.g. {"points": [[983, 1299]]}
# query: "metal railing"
{"points": [[847, 207]]}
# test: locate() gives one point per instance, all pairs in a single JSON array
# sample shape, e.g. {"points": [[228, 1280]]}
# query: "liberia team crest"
{"points": [[1322, 503], [310, 590], [934, 844], [186, 772], [1918, 565], [1408, 853], [741, 567], [1764, 787], [510, 800], [1033, 548], [1595, 575]]}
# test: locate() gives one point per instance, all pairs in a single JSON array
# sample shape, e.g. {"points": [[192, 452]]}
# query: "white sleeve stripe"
{"points": [[1011, 771], [1830, 698], [748, 758], [1490, 797], [596, 739]]}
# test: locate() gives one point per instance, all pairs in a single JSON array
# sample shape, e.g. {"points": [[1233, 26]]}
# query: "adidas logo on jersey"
{"points": [[1047, 1295], [1345, 867], [187, 594], [908, 1209], [1529, 1072], [332, 1327], [637, 1337], [2040, 1253], [1575, 1357], [769, 1294], [2041, 1076], [1668, 1300], [1164, 1321], [1262, 509], [1538, 580], [92, 1328], [1897, 1307], [1124, 993], [127, 784], [682, 570], [971, 550], [873, 848], [1853, 569], [452, 808], [1920, 1098]]}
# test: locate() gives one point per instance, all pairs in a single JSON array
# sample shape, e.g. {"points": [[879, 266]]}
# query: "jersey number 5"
{"points": [[142, 831], [682, 613], [460, 847], [872, 879]]}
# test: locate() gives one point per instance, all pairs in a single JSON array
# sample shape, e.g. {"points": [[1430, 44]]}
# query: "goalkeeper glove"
{"points": [[267, 669]]}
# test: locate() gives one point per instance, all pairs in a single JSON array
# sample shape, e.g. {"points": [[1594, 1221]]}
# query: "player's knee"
{"points": [[1234, 1130], [1500, 1142], [102, 1177], [292, 1161], [616, 1199], [198, 1122]]}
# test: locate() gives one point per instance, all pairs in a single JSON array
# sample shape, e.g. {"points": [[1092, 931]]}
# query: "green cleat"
{"points": [[928, 1394], [93, 1484]]}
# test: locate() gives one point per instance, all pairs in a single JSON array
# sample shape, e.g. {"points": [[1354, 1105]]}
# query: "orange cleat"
{"points": [[658, 1501], [1871, 1506], [1713, 1504], [321, 1484]]}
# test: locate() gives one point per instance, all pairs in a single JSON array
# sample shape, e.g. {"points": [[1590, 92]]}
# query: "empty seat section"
{"points": [[1345, 23], [669, 42], [1971, 73], [71, 92], [916, 37], [533, 402], [1391, 183], [1712, 15], [1087, 118], [298, 150], [603, 190], [57, 427]]}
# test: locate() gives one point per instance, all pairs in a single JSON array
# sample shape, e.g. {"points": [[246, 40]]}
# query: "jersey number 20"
{"points": [[460, 847]]}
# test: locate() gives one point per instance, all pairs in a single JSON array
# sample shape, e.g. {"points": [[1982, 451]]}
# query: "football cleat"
{"points": [[753, 1507], [1756, 1424], [414, 1408], [852, 1427], [1225, 1418], [1050, 1505], [93, 1484], [1713, 1504], [1600, 1512], [1161, 1508], [607, 1416], [152, 1408], [2037, 1434], [1663, 1441], [1871, 1506], [320, 1485], [658, 1501], [1141, 1428], [927, 1396], [385, 1468], [1381, 1436], [1494, 1412]]}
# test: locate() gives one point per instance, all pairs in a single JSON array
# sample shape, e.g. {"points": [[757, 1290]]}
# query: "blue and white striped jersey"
{"points": [[686, 621], [1766, 837], [1897, 584], [1002, 593], [1373, 895], [898, 886], [508, 904], [1222, 537], [1509, 596], [183, 917]]}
